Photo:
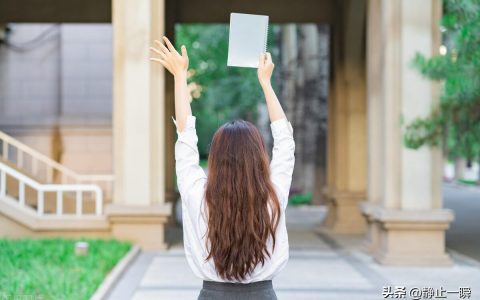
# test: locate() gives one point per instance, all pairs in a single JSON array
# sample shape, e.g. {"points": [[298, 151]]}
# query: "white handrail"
{"points": [[38, 160], [23, 180]]}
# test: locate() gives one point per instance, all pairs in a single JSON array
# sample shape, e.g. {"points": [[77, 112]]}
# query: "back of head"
{"points": [[243, 208]]}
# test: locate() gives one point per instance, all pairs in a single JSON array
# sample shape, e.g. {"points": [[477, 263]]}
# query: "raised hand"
{"points": [[265, 68], [264, 72], [168, 57]]}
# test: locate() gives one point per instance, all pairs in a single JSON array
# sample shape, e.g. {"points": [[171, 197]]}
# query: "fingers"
{"points": [[170, 46], [261, 62], [184, 51], [162, 47], [158, 60], [165, 49], [265, 59], [269, 58], [162, 62], [158, 52]]}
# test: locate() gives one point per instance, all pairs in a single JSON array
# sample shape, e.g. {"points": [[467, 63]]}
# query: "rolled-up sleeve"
{"points": [[283, 158], [191, 177]]}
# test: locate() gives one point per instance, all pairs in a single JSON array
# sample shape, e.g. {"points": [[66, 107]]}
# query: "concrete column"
{"points": [[346, 157], [374, 116], [139, 125], [406, 221]]}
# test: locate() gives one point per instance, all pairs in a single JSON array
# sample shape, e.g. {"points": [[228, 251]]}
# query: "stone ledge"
{"points": [[114, 275], [164, 209], [142, 225], [405, 215], [407, 237], [344, 215], [344, 195]]}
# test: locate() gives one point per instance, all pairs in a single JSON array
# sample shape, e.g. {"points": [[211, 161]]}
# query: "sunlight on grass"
{"points": [[49, 268]]}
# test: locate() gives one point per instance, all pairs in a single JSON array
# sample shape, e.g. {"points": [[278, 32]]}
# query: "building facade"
{"points": [[375, 186]]}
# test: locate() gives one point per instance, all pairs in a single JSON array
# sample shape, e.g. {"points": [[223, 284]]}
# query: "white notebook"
{"points": [[247, 39]]}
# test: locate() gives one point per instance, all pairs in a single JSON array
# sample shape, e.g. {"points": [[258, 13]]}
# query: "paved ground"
{"points": [[464, 233], [320, 267]]}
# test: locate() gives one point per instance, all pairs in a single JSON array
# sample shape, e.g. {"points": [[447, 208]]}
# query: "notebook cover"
{"points": [[247, 39]]}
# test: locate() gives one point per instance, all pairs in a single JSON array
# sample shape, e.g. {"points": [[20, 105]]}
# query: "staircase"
{"points": [[39, 194], [39, 166]]}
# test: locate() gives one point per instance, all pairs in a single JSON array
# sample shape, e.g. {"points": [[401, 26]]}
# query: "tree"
{"points": [[224, 93], [454, 123], [304, 90], [220, 93]]}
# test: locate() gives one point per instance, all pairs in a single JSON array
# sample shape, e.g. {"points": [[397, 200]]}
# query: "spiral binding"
{"points": [[266, 38]]}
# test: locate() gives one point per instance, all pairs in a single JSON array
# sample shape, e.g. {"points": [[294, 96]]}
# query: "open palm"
{"points": [[168, 57]]}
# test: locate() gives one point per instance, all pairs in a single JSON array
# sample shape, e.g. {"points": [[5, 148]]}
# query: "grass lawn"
{"points": [[49, 268]]}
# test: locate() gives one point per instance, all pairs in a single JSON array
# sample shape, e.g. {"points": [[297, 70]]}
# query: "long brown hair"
{"points": [[239, 195]]}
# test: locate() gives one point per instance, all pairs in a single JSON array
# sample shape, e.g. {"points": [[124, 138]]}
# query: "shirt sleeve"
{"points": [[283, 158], [191, 177]]}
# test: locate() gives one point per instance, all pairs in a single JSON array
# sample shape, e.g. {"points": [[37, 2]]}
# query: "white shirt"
{"points": [[191, 180]]}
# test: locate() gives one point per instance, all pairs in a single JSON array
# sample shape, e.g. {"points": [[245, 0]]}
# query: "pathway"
{"points": [[320, 267], [464, 233]]}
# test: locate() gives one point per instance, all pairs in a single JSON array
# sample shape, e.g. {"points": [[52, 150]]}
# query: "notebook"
{"points": [[247, 39]]}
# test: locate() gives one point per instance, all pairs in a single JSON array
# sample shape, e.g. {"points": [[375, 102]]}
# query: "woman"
{"points": [[235, 236]]}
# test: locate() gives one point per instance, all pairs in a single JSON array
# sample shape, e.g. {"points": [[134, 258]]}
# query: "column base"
{"points": [[141, 225], [408, 237], [344, 215], [372, 241]]}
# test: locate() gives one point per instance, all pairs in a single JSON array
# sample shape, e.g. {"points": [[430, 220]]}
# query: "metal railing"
{"points": [[41, 189], [46, 169]]}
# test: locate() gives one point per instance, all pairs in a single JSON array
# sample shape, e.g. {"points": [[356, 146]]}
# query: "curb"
{"points": [[463, 258], [109, 282], [463, 186]]}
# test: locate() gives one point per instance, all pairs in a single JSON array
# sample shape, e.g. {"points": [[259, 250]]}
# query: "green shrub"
{"points": [[49, 268], [300, 199], [468, 181]]}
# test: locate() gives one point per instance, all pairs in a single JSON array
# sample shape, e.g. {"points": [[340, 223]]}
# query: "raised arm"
{"points": [[283, 153], [190, 176], [265, 70], [177, 65]]}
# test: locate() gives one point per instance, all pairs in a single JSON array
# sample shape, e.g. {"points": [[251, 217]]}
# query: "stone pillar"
{"points": [[346, 155], [374, 117], [406, 221], [139, 204]]}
